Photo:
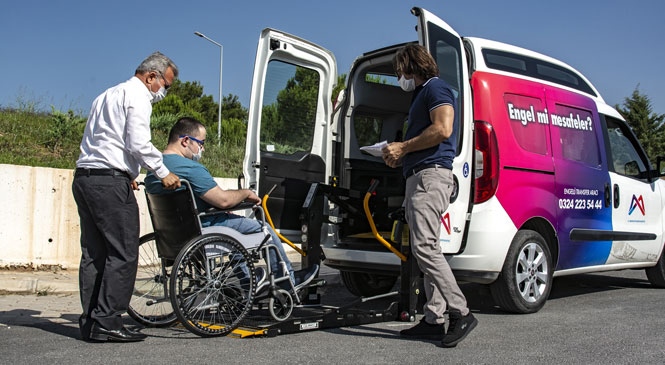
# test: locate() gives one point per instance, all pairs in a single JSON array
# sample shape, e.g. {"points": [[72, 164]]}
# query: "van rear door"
{"points": [[289, 127], [445, 45]]}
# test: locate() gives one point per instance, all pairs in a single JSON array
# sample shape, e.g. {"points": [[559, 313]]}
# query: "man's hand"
{"points": [[393, 153], [171, 181], [134, 185], [252, 197]]}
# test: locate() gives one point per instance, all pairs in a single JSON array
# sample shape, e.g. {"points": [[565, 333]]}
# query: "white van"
{"points": [[550, 179]]}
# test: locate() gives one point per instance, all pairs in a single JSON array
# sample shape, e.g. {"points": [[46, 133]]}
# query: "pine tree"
{"points": [[647, 125]]}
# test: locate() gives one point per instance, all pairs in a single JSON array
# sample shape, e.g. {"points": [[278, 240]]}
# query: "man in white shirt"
{"points": [[115, 145]]}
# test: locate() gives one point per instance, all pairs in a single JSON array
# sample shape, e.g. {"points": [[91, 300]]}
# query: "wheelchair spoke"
{"points": [[214, 285]]}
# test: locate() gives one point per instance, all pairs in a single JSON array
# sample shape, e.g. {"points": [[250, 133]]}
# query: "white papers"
{"points": [[375, 149]]}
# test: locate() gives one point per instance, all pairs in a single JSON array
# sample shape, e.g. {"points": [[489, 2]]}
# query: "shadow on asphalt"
{"points": [[478, 297], [568, 286], [64, 325]]}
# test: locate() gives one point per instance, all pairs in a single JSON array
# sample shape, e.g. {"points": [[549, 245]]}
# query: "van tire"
{"points": [[367, 285], [656, 274], [512, 291]]}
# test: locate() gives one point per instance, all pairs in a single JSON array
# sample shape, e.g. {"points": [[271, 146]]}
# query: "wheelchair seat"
{"points": [[176, 220]]}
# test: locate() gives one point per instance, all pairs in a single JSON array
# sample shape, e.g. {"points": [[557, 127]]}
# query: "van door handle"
{"points": [[608, 196], [616, 196]]}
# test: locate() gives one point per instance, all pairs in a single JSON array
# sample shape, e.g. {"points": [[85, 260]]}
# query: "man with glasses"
{"points": [[181, 156], [115, 145]]}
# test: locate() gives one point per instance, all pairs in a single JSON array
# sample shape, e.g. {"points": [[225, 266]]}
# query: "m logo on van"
{"points": [[637, 203]]}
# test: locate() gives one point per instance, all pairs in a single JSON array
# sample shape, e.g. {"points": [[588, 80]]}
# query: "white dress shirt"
{"points": [[117, 134]]}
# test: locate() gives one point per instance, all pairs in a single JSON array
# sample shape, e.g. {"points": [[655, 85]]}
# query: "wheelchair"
{"points": [[207, 278]]}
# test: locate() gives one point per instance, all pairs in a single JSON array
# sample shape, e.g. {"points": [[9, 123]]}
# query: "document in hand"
{"points": [[375, 149]]}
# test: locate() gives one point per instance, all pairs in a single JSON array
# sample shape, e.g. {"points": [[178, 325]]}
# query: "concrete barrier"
{"points": [[39, 222]]}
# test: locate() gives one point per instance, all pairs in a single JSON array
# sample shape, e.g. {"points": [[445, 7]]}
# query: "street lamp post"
{"points": [[221, 62]]}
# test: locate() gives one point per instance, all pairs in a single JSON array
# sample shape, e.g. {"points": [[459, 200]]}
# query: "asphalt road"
{"points": [[607, 318]]}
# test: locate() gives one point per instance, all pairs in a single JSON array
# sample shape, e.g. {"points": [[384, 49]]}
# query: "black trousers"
{"points": [[109, 247]]}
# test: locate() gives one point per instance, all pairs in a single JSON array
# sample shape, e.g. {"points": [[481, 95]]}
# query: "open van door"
{"points": [[446, 46], [289, 126]]}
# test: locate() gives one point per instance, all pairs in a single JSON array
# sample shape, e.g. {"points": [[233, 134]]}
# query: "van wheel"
{"points": [[656, 274], [367, 285], [526, 278]]}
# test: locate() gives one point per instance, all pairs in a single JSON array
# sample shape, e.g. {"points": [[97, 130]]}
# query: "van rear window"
{"points": [[533, 67]]}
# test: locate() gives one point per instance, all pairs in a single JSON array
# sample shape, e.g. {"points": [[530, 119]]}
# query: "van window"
{"points": [[533, 67], [445, 48], [577, 133], [528, 122], [625, 159], [381, 79], [289, 108]]}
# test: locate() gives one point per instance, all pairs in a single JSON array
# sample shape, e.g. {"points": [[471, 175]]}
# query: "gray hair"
{"points": [[157, 62]]}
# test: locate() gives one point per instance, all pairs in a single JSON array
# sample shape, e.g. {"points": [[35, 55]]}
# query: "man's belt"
{"points": [[101, 172], [419, 168]]}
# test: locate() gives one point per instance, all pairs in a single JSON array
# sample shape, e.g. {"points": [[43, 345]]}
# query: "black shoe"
{"points": [[305, 276], [459, 327], [99, 333], [425, 331], [261, 275]]}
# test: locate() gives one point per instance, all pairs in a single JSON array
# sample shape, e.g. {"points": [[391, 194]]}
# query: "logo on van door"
{"points": [[637, 203], [445, 220]]}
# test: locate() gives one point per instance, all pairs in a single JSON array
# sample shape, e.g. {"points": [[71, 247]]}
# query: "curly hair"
{"points": [[413, 59]]}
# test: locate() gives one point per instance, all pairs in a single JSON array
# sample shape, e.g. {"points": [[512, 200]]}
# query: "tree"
{"points": [[339, 86], [187, 99], [233, 109], [647, 125]]}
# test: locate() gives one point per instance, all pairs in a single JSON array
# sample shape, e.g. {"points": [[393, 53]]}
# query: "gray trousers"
{"points": [[109, 248], [427, 197]]}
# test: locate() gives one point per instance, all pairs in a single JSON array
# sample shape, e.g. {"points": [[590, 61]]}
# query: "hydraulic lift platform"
{"points": [[316, 317], [398, 305]]}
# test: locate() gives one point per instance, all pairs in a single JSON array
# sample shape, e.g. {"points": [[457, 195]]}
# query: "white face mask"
{"points": [[407, 85], [159, 95], [197, 156]]}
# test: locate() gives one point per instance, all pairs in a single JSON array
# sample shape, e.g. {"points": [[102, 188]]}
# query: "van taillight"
{"points": [[487, 162]]}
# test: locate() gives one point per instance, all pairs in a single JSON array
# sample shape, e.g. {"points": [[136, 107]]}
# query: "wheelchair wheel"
{"points": [[212, 286], [280, 305], [150, 304]]}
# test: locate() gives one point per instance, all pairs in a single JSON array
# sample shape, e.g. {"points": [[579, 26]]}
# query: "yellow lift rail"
{"points": [[264, 204], [375, 232]]}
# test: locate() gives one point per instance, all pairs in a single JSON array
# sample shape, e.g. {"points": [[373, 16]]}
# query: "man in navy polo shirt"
{"points": [[426, 156]]}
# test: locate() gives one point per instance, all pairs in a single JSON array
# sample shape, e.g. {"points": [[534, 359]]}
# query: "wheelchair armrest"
{"points": [[241, 206]]}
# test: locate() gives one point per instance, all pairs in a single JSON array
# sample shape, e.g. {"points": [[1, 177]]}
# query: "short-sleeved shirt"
{"points": [[432, 94], [198, 176]]}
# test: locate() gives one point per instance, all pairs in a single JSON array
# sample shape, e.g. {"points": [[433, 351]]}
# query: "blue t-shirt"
{"points": [[198, 176], [427, 97]]}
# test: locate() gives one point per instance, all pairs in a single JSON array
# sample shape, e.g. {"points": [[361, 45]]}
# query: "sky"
{"points": [[63, 53]]}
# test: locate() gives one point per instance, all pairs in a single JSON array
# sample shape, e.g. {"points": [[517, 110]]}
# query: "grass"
{"points": [[52, 139]]}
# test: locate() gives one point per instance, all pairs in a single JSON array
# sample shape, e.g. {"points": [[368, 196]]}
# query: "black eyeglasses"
{"points": [[161, 75], [200, 142]]}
